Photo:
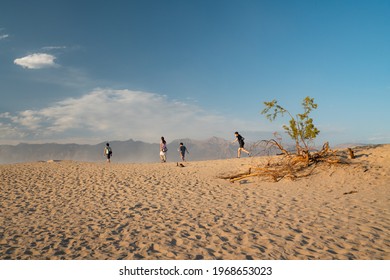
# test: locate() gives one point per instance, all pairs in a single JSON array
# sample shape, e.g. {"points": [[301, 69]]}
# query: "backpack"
{"points": [[107, 150]]}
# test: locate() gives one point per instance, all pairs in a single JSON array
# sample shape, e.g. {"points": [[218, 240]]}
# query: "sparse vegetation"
{"points": [[301, 128], [305, 160]]}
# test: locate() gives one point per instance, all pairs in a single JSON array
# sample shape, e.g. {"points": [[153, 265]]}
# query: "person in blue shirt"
{"points": [[182, 150]]}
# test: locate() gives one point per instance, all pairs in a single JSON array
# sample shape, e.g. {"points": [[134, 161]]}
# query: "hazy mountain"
{"points": [[123, 151], [349, 145], [133, 151]]}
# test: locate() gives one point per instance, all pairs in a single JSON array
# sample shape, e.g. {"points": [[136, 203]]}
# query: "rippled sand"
{"points": [[77, 210]]}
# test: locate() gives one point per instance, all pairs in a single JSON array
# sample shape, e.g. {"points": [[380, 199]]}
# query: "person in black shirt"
{"points": [[108, 152], [241, 142]]}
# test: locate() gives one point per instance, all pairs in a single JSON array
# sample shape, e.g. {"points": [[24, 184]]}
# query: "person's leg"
{"points": [[239, 152], [245, 151]]}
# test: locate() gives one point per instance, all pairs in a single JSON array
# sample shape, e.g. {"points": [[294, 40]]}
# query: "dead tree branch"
{"points": [[291, 166]]}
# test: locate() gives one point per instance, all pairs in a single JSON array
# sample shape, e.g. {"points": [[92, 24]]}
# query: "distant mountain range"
{"points": [[123, 151], [128, 151]]}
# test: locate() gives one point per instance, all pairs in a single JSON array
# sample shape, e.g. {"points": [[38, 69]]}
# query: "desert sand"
{"points": [[78, 210]]}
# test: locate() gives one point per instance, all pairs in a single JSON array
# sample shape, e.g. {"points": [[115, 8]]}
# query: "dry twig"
{"points": [[292, 166]]}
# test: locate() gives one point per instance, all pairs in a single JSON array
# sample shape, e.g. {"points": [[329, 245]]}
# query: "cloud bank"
{"points": [[36, 61], [106, 114]]}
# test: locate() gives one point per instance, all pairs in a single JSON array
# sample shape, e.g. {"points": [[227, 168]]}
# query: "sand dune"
{"points": [[78, 210]]}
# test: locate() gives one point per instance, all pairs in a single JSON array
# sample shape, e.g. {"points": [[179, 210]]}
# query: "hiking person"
{"points": [[182, 150], [108, 152], [163, 150], [241, 143]]}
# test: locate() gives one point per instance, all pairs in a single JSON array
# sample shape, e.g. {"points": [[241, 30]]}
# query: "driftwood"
{"points": [[291, 166], [351, 153]]}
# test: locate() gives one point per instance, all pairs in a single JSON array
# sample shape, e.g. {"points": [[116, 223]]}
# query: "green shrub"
{"points": [[301, 128]]}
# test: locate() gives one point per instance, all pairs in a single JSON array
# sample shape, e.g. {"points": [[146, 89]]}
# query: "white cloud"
{"points": [[49, 48], [36, 61], [4, 36], [120, 115], [10, 133]]}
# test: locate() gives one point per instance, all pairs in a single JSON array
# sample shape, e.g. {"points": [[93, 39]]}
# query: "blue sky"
{"points": [[92, 71]]}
